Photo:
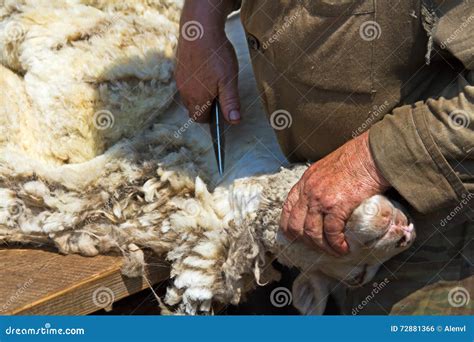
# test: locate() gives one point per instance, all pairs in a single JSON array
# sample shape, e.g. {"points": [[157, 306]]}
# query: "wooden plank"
{"points": [[41, 282]]}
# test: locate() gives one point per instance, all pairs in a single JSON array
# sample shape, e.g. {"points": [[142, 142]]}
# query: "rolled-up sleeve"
{"points": [[415, 145]]}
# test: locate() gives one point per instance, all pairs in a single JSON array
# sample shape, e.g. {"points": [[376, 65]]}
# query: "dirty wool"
{"points": [[97, 155]]}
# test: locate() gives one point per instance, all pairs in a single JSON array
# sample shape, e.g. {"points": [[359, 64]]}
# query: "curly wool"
{"points": [[78, 69]]}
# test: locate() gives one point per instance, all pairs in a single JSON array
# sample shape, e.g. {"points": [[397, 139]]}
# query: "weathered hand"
{"points": [[207, 65], [319, 205]]}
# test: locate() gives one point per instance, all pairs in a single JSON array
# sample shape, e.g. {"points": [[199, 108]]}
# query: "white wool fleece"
{"points": [[80, 75]]}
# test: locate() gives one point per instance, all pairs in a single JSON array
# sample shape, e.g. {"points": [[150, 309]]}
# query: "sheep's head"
{"points": [[377, 230]]}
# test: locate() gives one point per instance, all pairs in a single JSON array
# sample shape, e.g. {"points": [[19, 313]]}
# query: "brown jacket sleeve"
{"points": [[421, 148]]}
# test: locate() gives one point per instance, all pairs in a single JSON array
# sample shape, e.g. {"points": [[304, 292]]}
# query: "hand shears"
{"points": [[217, 133]]}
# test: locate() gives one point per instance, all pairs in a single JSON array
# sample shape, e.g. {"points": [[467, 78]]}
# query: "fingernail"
{"points": [[234, 115]]}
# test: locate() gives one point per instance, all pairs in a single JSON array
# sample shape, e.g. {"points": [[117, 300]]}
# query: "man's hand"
{"points": [[207, 67], [319, 205]]}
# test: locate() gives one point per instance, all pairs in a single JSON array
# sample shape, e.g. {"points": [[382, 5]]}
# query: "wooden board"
{"points": [[41, 282]]}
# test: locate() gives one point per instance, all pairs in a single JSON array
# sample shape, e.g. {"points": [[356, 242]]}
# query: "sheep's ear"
{"points": [[310, 293]]}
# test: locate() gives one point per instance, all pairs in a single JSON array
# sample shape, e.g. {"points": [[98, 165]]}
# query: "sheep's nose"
{"points": [[407, 237], [409, 228]]}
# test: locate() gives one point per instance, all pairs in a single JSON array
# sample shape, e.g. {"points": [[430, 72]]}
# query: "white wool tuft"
{"points": [[191, 278]]}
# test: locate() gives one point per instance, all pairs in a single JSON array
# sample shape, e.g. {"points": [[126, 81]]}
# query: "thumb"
{"points": [[229, 100]]}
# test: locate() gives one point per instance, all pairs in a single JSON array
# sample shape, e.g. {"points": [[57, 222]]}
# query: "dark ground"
{"points": [[257, 303]]}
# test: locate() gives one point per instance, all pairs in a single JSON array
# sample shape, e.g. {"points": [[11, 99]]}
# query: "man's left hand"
{"points": [[318, 206]]}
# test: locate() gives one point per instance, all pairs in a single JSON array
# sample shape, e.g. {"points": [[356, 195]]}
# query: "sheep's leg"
{"points": [[311, 291]]}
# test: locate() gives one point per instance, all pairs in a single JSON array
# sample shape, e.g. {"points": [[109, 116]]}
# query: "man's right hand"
{"points": [[207, 67]]}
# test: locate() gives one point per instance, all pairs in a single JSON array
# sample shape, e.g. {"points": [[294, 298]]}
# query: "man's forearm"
{"points": [[210, 14]]}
